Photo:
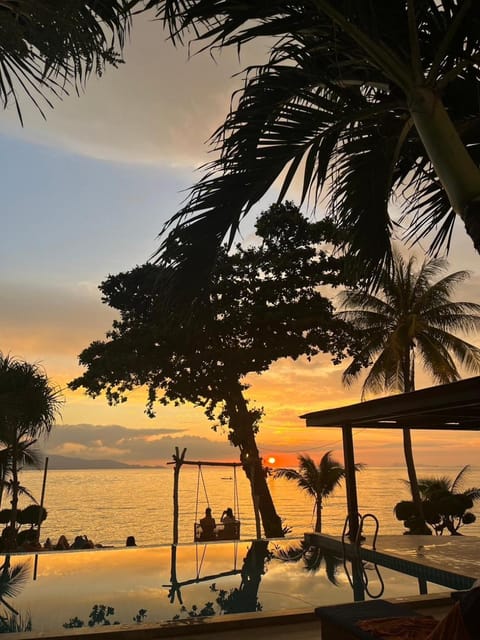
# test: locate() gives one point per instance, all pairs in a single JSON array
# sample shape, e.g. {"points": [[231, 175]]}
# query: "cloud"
{"points": [[158, 108], [133, 446]]}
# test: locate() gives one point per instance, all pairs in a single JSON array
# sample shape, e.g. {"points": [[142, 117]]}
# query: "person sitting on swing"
{"points": [[207, 524], [229, 525]]}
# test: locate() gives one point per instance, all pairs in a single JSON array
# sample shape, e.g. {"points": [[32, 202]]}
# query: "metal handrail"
{"points": [[357, 542]]}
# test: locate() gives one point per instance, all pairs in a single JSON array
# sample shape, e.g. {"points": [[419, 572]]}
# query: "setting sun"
{"points": [[271, 460]]}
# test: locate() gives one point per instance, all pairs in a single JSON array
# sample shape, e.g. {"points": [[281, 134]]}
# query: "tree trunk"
{"points": [[318, 522], [242, 425], [408, 377], [245, 599], [471, 217], [412, 478], [453, 164], [12, 537]]}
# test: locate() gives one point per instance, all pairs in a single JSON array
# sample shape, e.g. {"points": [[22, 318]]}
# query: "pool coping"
{"points": [[209, 624]]}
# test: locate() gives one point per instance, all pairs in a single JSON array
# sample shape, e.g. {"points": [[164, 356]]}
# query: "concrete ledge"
{"points": [[177, 628]]}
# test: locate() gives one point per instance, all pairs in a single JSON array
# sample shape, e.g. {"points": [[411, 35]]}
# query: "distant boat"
{"points": [[229, 478]]}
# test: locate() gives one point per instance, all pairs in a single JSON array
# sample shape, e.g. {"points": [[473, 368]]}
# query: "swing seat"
{"points": [[228, 530], [202, 536]]}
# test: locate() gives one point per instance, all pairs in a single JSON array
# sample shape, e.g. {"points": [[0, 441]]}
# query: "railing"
{"points": [[360, 566]]}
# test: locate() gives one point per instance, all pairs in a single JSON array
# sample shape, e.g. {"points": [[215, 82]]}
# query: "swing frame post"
{"points": [[178, 459]]}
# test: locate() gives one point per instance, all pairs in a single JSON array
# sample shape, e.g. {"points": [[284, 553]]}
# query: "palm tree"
{"points": [[412, 319], [357, 101], [49, 48], [29, 405], [318, 481], [446, 502]]}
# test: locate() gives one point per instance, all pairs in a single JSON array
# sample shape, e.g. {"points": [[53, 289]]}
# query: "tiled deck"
{"points": [[452, 561]]}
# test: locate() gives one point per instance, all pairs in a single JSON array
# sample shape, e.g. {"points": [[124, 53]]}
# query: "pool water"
{"points": [[160, 584]]}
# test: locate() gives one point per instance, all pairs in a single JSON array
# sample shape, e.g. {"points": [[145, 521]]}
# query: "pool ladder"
{"points": [[357, 542]]}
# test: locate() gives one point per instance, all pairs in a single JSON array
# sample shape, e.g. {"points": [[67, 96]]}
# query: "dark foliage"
{"points": [[336, 106]]}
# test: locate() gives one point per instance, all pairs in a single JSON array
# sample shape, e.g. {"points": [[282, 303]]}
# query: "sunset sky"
{"points": [[85, 193]]}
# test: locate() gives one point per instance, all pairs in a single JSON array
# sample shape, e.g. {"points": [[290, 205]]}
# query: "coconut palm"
{"points": [[48, 47], [318, 481], [357, 101], [29, 405], [411, 320], [445, 502]]}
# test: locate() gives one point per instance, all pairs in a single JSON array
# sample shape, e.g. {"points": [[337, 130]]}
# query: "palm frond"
{"points": [[49, 48], [13, 579]]}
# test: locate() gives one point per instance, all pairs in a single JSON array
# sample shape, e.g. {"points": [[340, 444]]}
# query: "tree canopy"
{"points": [[412, 319], [264, 304], [361, 102], [29, 406]]}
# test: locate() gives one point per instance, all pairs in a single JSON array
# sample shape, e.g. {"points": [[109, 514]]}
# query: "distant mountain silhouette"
{"points": [[65, 462]]}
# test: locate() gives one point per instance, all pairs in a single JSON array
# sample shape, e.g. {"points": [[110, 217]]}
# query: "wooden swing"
{"points": [[222, 531]]}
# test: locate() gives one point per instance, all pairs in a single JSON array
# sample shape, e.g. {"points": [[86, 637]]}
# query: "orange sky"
{"points": [[144, 127]]}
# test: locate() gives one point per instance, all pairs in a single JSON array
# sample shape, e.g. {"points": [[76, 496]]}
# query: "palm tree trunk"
{"points": [[12, 539], [412, 474], [453, 164], [409, 383], [318, 509], [242, 423]]}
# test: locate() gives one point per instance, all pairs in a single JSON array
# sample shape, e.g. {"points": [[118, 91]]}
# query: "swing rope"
{"points": [[236, 502], [200, 477]]}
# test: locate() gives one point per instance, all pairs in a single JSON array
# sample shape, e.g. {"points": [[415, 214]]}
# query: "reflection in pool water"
{"points": [[159, 584]]}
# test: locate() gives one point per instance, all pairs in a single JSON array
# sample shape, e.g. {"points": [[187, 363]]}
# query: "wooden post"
{"points": [[178, 459], [39, 523], [350, 481], [255, 501]]}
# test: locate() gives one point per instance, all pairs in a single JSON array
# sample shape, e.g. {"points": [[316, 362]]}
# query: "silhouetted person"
{"points": [[207, 524], [82, 542], [130, 542], [62, 544], [230, 525], [227, 516]]}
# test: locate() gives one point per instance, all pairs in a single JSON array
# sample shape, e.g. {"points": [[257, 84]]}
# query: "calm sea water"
{"points": [[109, 505]]}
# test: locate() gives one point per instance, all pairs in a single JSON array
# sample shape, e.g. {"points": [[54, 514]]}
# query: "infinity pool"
{"points": [[158, 584]]}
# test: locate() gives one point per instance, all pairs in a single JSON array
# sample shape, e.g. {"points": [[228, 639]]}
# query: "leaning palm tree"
{"points": [[48, 48], [318, 481], [29, 405], [358, 101], [411, 320]]}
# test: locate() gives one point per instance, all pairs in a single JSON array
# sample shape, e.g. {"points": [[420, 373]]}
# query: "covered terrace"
{"points": [[452, 407]]}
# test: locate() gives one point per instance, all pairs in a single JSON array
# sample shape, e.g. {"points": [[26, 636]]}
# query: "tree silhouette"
{"points": [[318, 481], [358, 102], [29, 405], [411, 319], [264, 304]]}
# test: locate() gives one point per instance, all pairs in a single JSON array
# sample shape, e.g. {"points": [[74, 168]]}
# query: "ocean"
{"points": [[107, 505]]}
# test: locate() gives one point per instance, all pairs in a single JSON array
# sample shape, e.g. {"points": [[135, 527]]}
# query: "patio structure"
{"points": [[449, 407]]}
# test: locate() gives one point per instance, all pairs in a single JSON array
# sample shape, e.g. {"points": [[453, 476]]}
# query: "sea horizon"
{"points": [[108, 505]]}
